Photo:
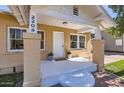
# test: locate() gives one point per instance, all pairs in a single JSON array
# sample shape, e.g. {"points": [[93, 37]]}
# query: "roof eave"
{"points": [[20, 13], [107, 15]]}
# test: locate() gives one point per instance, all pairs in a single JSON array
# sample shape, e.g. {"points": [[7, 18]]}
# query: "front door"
{"points": [[58, 44]]}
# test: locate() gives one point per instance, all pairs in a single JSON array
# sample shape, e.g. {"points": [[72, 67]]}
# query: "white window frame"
{"points": [[19, 50], [78, 40], [8, 40]]}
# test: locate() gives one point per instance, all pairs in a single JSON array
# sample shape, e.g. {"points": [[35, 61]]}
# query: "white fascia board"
{"points": [[87, 31], [108, 17], [87, 28]]}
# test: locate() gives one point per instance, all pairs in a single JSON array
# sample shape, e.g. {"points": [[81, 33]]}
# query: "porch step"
{"points": [[60, 59]]}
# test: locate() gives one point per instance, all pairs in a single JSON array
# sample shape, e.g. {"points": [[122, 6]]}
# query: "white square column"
{"points": [[97, 33]]}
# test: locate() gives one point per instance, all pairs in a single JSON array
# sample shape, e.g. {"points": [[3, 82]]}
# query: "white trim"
{"points": [[18, 27], [78, 34]]}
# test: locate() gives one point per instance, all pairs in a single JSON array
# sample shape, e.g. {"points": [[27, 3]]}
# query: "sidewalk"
{"points": [[111, 57]]}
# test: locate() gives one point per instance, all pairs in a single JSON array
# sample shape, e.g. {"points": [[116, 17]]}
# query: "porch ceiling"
{"points": [[49, 20], [93, 16]]}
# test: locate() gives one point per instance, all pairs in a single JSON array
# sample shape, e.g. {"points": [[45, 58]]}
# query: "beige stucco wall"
{"points": [[10, 59], [7, 59]]}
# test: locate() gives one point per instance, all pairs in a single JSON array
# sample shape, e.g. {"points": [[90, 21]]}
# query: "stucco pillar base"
{"points": [[31, 84], [98, 54], [31, 59]]}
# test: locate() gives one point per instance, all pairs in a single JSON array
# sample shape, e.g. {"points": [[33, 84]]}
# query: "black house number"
{"points": [[33, 23]]}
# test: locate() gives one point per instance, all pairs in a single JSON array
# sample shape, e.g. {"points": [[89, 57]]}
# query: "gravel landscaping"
{"points": [[106, 79]]}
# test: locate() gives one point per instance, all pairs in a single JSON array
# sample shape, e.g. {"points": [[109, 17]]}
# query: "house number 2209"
{"points": [[33, 23]]}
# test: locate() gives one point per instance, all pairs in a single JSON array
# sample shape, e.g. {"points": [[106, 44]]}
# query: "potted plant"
{"points": [[69, 54], [50, 56]]}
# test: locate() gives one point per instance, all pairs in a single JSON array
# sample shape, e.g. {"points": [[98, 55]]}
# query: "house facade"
{"points": [[30, 33], [12, 43]]}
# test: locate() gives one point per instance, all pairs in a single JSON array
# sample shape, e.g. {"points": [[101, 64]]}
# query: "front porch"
{"points": [[57, 69], [57, 17]]}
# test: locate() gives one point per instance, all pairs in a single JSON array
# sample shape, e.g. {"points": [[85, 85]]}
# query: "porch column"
{"points": [[31, 57], [98, 54], [97, 33]]}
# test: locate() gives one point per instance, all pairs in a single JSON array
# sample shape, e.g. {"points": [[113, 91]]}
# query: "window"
{"points": [[92, 35], [118, 42], [15, 39], [73, 41], [81, 41], [42, 46], [78, 41]]}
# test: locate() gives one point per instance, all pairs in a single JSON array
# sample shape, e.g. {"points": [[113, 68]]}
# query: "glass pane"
{"points": [[82, 38], [42, 35], [19, 44], [73, 44], [92, 36], [42, 45], [73, 38], [82, 45], [12, 44], [12, 33], [42, 39], [18, 34]]}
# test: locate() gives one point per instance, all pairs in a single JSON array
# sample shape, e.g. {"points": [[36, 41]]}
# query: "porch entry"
{"points": [[58, 44]]}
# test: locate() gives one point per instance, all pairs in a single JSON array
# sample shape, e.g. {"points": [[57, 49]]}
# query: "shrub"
{"points": [[50, 54]]}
